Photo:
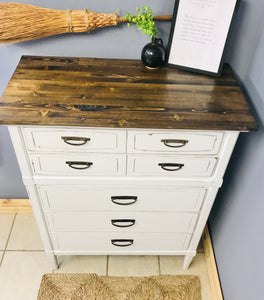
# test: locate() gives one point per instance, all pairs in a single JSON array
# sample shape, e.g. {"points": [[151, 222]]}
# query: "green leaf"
{"points": [[143, 20]]}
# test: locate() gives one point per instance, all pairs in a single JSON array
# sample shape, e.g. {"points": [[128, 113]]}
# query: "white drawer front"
{"points": [[82, 165], [121, 221], [101, 242], [121, 199], [178, 166], [89, 140], [174, 142]]}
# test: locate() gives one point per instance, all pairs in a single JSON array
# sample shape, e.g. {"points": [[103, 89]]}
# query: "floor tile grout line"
{"points": [[8, 238], [10, 232], [2, 258], [159, 265], [107, 264], [23, 250]]}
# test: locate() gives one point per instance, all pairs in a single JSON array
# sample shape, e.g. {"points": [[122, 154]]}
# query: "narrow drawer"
{"points": [[78, 140], [188, 142], [121, 199], [121, 221], [82, 165], [107, 242], [178, 166]]}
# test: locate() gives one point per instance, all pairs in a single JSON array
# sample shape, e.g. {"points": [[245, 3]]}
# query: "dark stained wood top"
{"points": [[121, 93]]}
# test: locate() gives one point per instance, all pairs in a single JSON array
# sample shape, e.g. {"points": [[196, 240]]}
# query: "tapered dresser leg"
{"points": [[53, 260], [187, 261]]}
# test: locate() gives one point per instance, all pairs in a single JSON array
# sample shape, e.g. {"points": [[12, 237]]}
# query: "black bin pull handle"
{"points": [[84, 164], [171, 166], [123, 222], [122, 242], [180, 143], [82, 140], [124, 200]]}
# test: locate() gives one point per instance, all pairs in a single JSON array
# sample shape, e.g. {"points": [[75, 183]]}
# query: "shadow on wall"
{"points": [[238, 55], [236, 167], [230, 179], [245, 55]]}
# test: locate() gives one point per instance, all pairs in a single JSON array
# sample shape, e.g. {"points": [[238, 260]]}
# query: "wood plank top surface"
{"points": [[123, 94]]}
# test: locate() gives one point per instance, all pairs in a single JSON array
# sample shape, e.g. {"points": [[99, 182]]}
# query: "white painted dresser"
{"points": [[101, 185]]}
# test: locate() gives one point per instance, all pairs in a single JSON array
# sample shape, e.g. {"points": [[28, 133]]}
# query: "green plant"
{"points": [[143, 20]]}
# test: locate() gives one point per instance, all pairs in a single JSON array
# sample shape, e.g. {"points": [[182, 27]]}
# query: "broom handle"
{"points": [[156, 18]]}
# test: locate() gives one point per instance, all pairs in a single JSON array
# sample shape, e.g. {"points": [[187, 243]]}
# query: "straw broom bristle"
{"points": [[22, 22]]}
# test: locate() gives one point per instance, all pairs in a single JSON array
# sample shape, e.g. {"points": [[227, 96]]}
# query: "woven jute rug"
{"points": [[92, 286]]}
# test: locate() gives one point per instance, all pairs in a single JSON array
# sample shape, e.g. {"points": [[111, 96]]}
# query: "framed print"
{"points": [[199, 34]]}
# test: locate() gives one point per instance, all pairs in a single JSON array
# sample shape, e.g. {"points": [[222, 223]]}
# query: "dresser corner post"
{"points": [[53, 260], [187, 260], [33, 193], [15, 132], [42, 225]]}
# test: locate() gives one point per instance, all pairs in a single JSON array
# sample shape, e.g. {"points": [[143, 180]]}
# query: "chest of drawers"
{"points": [[111, 183], [136, 192]]}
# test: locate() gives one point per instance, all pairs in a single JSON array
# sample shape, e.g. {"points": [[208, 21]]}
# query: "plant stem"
{"points": [[156, 18]]}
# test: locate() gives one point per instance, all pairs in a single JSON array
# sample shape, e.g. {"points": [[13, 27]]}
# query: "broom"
{"points": [[23, 22]]}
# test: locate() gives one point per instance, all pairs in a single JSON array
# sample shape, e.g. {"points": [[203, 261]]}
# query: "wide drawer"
{"points": [[178, 166], [188, 142], [77, 164], [121, 199], [89, 140], [105, 242], [121, 221]]}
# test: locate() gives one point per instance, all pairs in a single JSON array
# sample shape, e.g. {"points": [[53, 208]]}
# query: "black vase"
{"points": [[153, 55]]}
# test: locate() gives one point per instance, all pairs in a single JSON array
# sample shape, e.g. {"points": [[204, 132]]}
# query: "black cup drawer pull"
{"points": [[75, 140], [124, 200], [171, 166], [179, 143], [83, 164], [123, 222], [122, 242]]}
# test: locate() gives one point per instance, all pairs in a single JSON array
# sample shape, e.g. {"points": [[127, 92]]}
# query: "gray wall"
{"points": [[237, 218], [121, 42]]}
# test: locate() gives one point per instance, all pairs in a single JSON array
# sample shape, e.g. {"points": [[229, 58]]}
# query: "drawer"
{"points": [[121, 221], [121, 199], [77, 164], [178, 166], [107, 242], [188, 142], [77, 140]]}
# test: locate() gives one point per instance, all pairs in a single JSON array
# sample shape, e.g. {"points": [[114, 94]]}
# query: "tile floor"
{"points": [[23, 261]]}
